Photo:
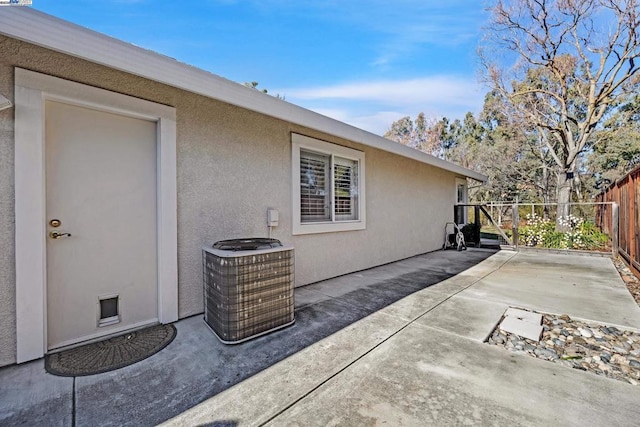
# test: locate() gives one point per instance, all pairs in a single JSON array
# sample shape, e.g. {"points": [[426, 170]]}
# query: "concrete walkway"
{"points": [[418, 361]]}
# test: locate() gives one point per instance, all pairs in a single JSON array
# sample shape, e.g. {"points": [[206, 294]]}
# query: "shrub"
{"points": [[573, 235], [533, 234], [555, 240], [592, 237], [578, 235]]}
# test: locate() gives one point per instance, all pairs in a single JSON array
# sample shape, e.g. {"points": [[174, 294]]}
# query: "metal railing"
{"points": [[589, 226]]}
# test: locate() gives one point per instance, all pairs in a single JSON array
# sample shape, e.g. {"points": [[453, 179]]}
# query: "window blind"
{"points": [[314, 187], [345, 189]]}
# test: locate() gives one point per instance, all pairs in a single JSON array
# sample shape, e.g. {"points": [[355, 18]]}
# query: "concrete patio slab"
{"points": [[308, 296], [464, 316], [196, 366], [430, 377], [415, 305], [436, 370], [416, 273], [586, 288], [476, 272], [389, 345], [27, 392], [257, 400]]}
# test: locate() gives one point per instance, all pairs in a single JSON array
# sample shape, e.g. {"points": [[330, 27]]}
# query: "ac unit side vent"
{"points": [[248, 293]]}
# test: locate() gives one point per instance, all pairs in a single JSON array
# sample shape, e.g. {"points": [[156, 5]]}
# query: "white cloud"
{"points": [[409, 26], [444, 89], [374, 105], [378, 122]]}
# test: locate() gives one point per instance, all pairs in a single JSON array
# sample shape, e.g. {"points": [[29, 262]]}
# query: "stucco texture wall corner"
{"points": [[407, 206], [34, 58], [232, 165], [7, 224]]}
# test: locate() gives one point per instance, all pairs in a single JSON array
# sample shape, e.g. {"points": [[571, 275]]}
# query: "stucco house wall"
{"points": [[232, 165]]}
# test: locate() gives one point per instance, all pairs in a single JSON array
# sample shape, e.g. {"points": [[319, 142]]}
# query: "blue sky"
{"points": [[367, 63]]}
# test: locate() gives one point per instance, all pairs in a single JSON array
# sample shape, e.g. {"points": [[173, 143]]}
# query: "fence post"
{"points": [[515, 220], [614, 228], [476, 218]]}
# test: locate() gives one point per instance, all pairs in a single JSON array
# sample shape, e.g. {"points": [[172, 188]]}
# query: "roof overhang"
{"points": [[41, 29]]}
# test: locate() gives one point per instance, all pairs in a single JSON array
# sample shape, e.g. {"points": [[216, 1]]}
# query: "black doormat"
{"points": [[113, 353]]}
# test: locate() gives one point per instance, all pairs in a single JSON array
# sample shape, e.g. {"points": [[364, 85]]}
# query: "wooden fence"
{"points": [[625, 193]]}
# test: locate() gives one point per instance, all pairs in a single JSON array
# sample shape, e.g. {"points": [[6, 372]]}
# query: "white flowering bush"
{"points": [[574, 233], [533, 234], [573, 236]]}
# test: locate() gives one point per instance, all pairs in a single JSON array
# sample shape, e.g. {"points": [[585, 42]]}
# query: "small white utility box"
{"points": [[273, 217]]}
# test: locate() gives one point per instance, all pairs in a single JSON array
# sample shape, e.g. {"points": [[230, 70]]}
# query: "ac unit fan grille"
{"points": [[249, 294]]}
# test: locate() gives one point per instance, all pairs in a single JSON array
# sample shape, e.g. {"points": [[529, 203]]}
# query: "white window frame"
{"points": [[302, 142]]}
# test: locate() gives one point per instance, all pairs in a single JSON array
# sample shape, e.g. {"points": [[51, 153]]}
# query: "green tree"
{"points": [[402, 131], [520, 148], [496, 143], [572, 62], [423, 134], [464, 140], [618, 147]]}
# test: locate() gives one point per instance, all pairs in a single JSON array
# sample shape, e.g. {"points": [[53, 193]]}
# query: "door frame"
{"points": [[31, 91]]}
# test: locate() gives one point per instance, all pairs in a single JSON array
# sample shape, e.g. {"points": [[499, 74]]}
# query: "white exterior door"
{"points": [[462, 214], [101, 185]]}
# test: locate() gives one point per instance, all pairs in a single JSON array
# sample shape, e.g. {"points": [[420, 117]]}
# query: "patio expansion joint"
{"points": [[73, 403], [357, 359], [456, 334]]}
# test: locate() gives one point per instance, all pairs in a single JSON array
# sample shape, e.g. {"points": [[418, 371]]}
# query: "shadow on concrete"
{"points": [[196, 366]]}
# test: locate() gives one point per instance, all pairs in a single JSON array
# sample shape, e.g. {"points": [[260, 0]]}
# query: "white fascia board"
{"points": [[44, 30]]}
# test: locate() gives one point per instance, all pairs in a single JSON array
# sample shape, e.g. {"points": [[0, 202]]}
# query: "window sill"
{"points": [[328, 227]]}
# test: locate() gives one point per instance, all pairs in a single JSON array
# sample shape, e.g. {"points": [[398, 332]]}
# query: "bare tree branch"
{"points": [[572, 62]]}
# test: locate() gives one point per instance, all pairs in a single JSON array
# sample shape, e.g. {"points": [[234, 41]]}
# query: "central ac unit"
{"points": [[248, 288]]}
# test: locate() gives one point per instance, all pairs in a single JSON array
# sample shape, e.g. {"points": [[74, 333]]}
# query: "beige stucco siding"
{"points": [[407, 206], [233, 164]]}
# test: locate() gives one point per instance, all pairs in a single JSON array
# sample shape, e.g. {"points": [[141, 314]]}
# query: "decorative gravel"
{"points": [[632, 282], [603, 350]]}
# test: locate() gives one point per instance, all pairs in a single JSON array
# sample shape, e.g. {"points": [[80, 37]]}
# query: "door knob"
{"points": [[56, 234]]}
